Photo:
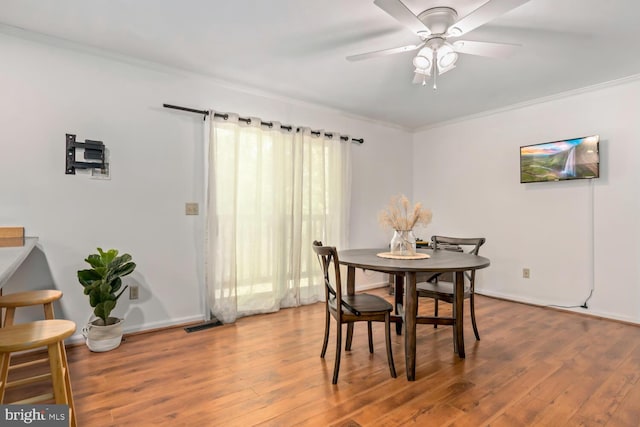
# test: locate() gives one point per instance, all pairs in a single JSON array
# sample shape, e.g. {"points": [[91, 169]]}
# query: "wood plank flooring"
{"points": [[533, 367]]}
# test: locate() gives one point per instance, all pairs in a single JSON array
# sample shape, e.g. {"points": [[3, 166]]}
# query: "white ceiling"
{"points": [[297, 48]]}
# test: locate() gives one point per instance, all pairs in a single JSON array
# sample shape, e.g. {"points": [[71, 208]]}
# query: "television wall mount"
{"points": [[93, 152]]}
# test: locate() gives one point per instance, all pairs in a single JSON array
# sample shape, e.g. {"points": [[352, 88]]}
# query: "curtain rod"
{"points": [[247, 120]]}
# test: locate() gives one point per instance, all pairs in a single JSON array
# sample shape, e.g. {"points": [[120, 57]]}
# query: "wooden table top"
{"points": [[439, 261]]}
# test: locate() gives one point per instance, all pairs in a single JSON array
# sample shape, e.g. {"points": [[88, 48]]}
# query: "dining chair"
{"points": [[348, 309], [441, 290]]}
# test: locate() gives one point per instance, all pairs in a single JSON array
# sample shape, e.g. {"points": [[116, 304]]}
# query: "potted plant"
{"points": [[102, 283]]}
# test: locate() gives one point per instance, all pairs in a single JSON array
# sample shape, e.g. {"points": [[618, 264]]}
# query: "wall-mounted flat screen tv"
{"points": [[576, 158]]}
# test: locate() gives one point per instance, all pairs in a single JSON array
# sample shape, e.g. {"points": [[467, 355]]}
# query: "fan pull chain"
{"points": [[435, 69]]}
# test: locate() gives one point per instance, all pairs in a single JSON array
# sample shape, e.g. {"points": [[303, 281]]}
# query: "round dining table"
{"points": [[406, 271]]}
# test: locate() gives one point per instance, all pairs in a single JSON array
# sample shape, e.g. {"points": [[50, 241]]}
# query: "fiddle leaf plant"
{"points": [[103, 281]]}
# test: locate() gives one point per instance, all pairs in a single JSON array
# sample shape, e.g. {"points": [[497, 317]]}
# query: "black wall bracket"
{"points": [[93, 151]]}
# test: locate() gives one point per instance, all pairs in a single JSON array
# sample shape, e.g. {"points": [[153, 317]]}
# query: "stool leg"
{"points": [[6, 357], [48, 311], [8, 316], [60, 379], [4, 373], [67, 383], [57, 374]]}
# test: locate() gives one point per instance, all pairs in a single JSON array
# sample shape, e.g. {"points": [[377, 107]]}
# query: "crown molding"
{"points": [[535, 101], [62, 43]]}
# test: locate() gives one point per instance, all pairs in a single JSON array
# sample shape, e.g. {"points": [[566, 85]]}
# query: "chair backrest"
{"points": [[328, 255], [469, 245]]}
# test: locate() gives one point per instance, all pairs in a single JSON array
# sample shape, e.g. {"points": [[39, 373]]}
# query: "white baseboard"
{"points": [[533, 301], [78, 338], [369, 286]]}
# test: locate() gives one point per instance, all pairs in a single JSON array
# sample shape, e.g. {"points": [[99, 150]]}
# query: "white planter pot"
{"points": [[103, 338]]}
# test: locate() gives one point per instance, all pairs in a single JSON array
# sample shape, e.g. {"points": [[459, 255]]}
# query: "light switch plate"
{"points": [[133, 292], [191, 208]]}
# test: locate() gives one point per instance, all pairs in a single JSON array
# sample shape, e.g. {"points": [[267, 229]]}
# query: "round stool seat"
{"points": [[26, 336], [28, 298]]}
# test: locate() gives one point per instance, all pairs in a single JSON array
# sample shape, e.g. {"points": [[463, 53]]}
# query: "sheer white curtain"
{"points": [[271, 192]]}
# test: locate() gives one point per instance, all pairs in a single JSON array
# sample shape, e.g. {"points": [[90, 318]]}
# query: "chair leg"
{"points": [[347, 345], [370, 336], [387, 336], [472, 309], [336, 367], [435, 311], [398, 303], [326, 333]]}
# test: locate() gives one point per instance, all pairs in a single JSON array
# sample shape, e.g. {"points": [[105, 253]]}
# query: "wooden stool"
{"points": [[27, 336], [26, 299]]}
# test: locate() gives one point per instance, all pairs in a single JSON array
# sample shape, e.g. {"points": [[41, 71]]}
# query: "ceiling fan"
{"points": [[436, 26]]}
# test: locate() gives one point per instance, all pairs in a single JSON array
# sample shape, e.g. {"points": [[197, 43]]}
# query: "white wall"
{"points": [[468, 172], [156, 159]]}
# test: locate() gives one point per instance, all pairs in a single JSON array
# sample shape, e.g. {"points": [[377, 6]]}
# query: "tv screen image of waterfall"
{"points": [[575, 158]]}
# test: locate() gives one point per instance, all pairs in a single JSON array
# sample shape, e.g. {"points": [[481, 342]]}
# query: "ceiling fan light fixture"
{"points": [[444, 50], [426, 52], [447, 56], [435, 26], [423, 71], [421, 62], [447, 60]]}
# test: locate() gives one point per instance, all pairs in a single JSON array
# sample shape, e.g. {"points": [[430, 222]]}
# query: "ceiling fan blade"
{"points": [[485, 13], [384, 52], [491, 50], [403, 14]]}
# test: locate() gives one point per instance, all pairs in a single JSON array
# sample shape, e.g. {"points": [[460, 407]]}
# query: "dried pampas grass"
{"points": [[400, 216]]}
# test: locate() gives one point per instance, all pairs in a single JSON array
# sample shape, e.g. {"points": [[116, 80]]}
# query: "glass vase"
{"points": [[403, 242]]}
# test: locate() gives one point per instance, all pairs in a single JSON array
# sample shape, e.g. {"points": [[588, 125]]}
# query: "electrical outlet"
{"points": [[526, 273], [191, 208], [133, 291]]}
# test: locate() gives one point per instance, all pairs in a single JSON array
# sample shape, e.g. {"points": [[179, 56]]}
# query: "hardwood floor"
{"points": [[533, 366]]}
